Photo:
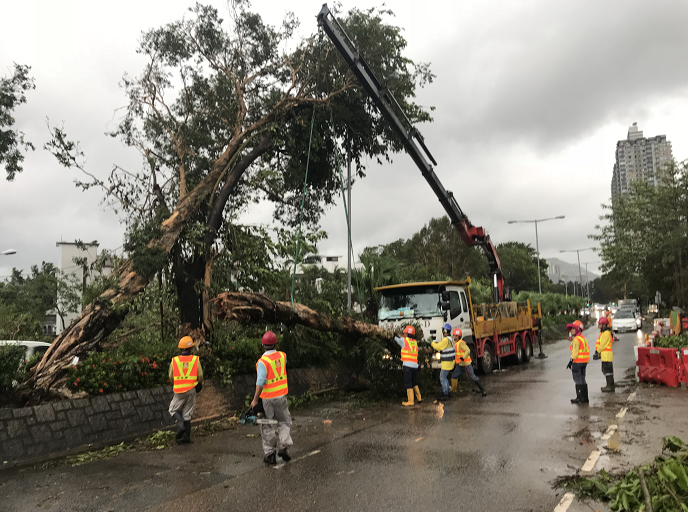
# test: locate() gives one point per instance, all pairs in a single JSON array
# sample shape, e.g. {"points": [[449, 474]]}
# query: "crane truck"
{"points": [[493, 331]]}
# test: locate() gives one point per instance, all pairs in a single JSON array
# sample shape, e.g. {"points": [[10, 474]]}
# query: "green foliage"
{"points": [[146, 259], [678, 341], [666, 479], [12, 367], [106, 453], [12, 94], [519, 266], [644, 238], [100, 375]]}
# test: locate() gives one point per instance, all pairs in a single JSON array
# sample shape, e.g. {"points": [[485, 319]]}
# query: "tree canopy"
{"points": [[12, 94]]}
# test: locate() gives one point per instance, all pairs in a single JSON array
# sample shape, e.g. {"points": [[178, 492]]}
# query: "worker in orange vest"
{"points": [[185, 373], [464, 363], [603, 350], [409, 361], [580, 356], [272, 389]]}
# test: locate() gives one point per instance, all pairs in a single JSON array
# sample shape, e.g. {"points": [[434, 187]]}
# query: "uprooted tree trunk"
{"points": [[100, 318], [254, 307]]}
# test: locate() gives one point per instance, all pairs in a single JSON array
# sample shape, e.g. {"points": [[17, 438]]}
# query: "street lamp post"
{"points": [[537, 244], [580, 272], [587, 279]]}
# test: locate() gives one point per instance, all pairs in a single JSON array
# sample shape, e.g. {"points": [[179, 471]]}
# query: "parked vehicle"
{"points": [[626, 320], [32, 347], [492, 331]]}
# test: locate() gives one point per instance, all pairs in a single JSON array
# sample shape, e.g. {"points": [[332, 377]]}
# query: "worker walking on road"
{"points": [[603, 350], [464, 363], [409, 359], [185, 373], [447, 360], [580, 356], [272, 389]]}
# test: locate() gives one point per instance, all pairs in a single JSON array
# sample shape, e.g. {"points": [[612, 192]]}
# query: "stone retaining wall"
{"points": [[56, 428]]}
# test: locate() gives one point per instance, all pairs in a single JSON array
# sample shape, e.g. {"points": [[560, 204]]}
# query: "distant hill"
{"points": [[559, 270]]}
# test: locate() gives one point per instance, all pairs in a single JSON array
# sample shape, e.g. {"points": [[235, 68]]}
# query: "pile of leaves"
{"points": [[678, 341], [98, 374], [666, 479]]}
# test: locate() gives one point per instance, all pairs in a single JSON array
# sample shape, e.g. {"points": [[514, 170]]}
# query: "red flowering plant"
{"points": [[101, 374]]}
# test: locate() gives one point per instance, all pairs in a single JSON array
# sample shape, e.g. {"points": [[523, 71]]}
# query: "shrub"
{"points": [[12, 367], [100, 374]]}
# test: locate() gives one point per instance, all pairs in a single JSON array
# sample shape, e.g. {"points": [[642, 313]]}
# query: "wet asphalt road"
{"points": [[498, 453]]}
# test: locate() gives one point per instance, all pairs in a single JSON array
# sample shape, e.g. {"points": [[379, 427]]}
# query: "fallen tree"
{"points": [[254, 307]]}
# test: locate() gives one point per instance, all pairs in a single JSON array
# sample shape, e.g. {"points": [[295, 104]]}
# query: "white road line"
{"points": [[609, 433], [590, 463], [565, 502], [622, 412], [631, 396], [281, 465]]}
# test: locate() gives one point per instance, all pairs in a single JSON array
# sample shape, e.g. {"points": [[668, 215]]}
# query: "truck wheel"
{"points": [[488, 360], [519, 350], [528, 352]]}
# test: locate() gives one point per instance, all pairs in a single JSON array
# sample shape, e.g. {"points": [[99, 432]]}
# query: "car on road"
{"points": [[626, 319], [32, 347]]}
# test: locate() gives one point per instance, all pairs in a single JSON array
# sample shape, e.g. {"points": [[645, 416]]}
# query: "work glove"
{"points": [[596, 355], [568, 366]]}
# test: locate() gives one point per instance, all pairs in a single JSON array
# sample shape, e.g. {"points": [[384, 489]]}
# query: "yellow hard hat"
{"points": [[186, 342]]}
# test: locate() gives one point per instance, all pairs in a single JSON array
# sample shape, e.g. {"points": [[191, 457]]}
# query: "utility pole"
{"points": [[348, 240]]}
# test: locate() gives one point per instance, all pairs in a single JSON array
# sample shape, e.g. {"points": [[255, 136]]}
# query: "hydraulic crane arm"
{"points": [[413, 143]]}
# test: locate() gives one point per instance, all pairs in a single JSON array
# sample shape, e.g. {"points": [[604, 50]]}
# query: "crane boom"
{"points": [[413, 143]]}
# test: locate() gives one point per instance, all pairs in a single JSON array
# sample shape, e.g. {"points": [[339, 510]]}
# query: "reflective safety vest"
{"points": [[276, 366], [184, 373], [606, 355], [583, 350], [447, 354], [463, 351], [409, 354]]}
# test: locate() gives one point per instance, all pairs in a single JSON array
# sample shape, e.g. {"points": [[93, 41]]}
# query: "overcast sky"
{"points": [[531, 98]]}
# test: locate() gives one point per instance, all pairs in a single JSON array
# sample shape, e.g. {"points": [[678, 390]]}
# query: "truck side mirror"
{"points": [[445, 306], [445, 296]]}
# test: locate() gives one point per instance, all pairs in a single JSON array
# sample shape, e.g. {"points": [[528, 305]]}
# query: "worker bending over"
{"points": [[271, 387], [603, 350], [580, 356], [464, 363], [185, 373], [447, 359], [409, 360]]}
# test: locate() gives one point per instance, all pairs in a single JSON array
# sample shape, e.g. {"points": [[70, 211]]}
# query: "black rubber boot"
{"points": [[481, 388], [284, 455], [610, 387], [270, 459], [179, 421], [584, 394], [186, 438], [443, 398], [579, 393]]}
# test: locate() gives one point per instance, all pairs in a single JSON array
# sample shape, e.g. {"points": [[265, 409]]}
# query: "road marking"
{"points": [[622, 412], [310, 454], [631, 396], [590, 463], [609, 433], [565, 502]]}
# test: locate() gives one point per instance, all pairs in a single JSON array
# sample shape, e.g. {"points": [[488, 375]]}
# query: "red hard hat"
{"points": [[269, 338], [604, 320], [409, 329], [457, 332]]}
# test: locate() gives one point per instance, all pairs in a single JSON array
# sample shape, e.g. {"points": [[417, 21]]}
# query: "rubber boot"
{"points": [[284, 455], [443, 398], [481, 388], [270, 459], [409, 396], [416, 390], [579, 393], [186, 439], [179, 421], [584, 397], [454, 385], [610, 387]]}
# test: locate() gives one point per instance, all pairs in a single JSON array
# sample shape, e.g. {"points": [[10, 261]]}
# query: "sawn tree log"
{"points": [[254, 307]]}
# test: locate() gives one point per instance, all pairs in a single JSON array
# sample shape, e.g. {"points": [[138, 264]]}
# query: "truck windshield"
{"points": [[409, 303]]}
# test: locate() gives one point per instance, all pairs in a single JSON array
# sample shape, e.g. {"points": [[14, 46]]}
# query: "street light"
{"points": [[8, 252], [580, 273], [537, 244], [587, 279]]}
